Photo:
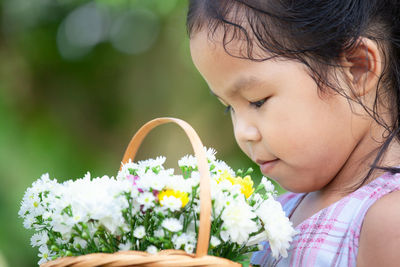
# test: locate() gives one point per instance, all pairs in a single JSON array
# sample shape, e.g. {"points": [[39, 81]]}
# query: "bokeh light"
{"points": [[135, 31]]}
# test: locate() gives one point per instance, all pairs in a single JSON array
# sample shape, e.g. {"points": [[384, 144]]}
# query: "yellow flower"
{"points": [[246, 184], [183, 196]]}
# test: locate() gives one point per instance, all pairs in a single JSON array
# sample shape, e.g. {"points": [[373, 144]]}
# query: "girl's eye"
{"points": [[258, 104], [228, 109]]}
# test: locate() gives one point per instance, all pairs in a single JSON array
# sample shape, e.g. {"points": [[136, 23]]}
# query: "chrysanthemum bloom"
{"points": [[246, 184], [168, 198]]}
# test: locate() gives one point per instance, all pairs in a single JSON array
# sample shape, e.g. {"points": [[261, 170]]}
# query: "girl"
{"points": [[313, 90]]}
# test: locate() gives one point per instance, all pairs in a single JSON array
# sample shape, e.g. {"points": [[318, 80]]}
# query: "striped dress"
{"points": [[329, 237]]}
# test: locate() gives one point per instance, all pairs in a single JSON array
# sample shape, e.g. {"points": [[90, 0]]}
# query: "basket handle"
{"points": [[205, 195]]}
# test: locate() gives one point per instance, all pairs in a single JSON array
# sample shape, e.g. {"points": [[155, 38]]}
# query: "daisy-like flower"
{"points": [[171, 202], [215, 242], [172, 225], [44, 254], [189, 248], [125, 246], [172, 199], [221, 167], [268, 186], [246, 184], [125, 170], [29, 221], [183, 240], [159, 233], [188, 161], [139, 232], [79, 243], [39, 239], [151, 163], [210, 153], [178, 183], [147, 200], [152, 249]]}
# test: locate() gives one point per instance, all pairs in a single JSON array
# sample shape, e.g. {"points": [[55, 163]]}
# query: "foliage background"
{"points": [[77, 79]]}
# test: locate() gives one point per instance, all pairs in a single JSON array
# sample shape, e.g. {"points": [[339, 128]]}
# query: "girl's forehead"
{"points": [[212, 58]]}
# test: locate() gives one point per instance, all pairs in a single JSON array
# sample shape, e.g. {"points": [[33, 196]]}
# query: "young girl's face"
{"points": [[279, 115]]}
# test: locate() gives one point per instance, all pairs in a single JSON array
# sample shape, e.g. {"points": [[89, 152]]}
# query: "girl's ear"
{"points": [[363, 66]]}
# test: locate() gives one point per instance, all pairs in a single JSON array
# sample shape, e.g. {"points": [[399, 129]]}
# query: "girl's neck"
{"points": [[356, 168], [313, 202]]}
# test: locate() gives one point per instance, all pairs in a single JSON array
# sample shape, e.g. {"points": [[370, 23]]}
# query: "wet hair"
{"points": [[315, 33]]}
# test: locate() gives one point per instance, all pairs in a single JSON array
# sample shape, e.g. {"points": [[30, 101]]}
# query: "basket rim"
{"points": [[168, 257]]}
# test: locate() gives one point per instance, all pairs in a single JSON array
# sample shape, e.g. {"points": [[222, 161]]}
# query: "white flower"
{"points": [[159, 233], [80, 243], [184, 240], [84, 196], [210, 153], [214, 242], [152, 249], [224, 236], [134, 193], [188, 161], [257, 238], [222, 200], [125, 246], [257, 198], [171, 202], [189, 248], [29, 221], [151, 163], [139, 232], [150, 181], [160, 210], [278, 228], [124, 172], [172, 224], [146, 199], [221, 167], [194, 180], [178, 183], [44, 254], [39, 239], [238, 221], [268, 186]]}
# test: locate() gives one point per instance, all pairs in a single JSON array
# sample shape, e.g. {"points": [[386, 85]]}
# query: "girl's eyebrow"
{"points": [[243, 83]]}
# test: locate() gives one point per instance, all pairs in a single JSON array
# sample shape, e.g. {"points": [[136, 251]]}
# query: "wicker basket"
{"points": [[164, 257]]}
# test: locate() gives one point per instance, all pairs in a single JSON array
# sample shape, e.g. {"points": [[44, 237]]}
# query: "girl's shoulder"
{"points": [[380, 233]]}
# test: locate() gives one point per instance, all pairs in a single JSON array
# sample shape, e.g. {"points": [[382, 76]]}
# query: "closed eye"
{"points": [[258, 104], [228, 109]]}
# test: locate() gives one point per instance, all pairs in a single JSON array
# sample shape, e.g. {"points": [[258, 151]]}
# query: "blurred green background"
{"points": [[77, 79]]}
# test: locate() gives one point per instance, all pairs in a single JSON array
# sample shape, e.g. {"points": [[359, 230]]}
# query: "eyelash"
{"points": [[259, 103], [256, 104], [228, 109]]}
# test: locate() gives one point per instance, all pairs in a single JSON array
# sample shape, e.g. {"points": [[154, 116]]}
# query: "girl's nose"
{"points": [[245, 130]]}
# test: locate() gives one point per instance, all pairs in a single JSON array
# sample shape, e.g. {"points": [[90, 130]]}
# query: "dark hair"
{"points": [[315, 33]]}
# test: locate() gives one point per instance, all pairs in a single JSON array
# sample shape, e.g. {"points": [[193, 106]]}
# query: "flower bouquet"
{"points": [[150, 216]]}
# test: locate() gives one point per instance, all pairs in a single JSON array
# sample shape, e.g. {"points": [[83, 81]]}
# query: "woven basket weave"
{"points": [[164, 257]]}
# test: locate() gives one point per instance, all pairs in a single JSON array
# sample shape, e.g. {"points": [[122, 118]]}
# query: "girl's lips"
{"points": [[267, 166]]}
